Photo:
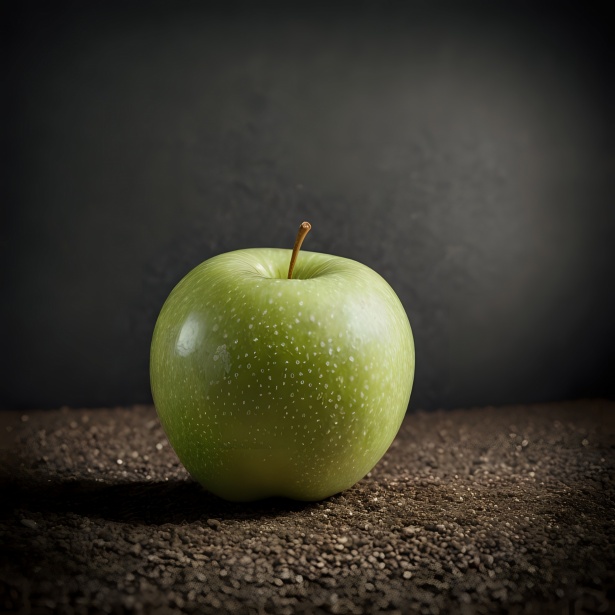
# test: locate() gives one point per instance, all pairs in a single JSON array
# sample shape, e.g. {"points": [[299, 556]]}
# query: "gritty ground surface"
{"points": [[471, 511]]}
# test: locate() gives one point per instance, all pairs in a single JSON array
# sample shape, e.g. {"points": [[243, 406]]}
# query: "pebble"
{"points": [[485, 525]]}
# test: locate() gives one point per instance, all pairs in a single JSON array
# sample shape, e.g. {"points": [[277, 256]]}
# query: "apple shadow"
{"points": [[138, 503]]}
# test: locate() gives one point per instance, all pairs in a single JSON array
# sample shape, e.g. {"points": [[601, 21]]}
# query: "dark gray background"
{"points": [[463, 151]]}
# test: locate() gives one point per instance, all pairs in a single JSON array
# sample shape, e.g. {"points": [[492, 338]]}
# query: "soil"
{"points": [[471, 511]]}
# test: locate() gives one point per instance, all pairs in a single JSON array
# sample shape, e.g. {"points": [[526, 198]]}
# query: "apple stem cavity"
{"points": [[304, 229]]}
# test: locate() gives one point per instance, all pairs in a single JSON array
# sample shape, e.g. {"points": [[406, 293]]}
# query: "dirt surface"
{"points": [[471, 511]]}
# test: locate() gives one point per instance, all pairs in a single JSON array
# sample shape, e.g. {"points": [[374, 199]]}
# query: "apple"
{"points": [[273, 384]]}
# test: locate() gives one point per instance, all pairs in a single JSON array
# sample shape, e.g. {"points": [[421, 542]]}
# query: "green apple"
{"points": [[268, 385]]}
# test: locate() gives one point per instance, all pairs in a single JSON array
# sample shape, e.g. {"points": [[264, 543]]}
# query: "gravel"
{"points": [[471, 511]]}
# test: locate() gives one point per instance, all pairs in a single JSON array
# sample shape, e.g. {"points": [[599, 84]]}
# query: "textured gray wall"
{"points": [[466, 154]]}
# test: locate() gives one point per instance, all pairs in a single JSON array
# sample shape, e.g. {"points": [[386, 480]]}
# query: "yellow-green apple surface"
{"points": [[268, 385]]}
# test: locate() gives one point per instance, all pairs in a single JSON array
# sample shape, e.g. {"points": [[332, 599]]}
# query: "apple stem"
{"points": [[304, 229]]}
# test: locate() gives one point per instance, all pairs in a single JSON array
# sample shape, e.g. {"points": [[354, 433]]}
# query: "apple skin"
{"points": [[267, 386]]}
